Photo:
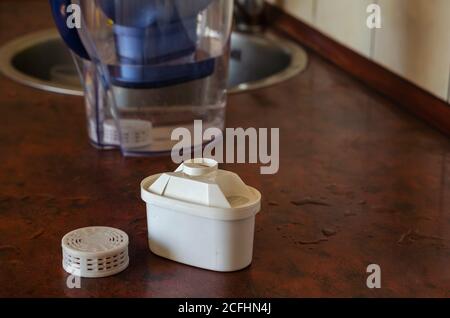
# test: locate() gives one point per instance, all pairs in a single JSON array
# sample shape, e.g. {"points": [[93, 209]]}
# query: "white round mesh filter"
{"points": [[95, 252], [135, 133]]}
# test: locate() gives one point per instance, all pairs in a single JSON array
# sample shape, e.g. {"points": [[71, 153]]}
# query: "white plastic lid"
{"points": [[199, 187], [95, 252]]}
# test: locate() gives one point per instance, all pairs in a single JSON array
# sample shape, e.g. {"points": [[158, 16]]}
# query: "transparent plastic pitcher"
{"points": [[157, 65]]}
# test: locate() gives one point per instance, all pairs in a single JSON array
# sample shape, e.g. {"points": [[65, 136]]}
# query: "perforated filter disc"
{"points": [[135, 133], [95, 252]]}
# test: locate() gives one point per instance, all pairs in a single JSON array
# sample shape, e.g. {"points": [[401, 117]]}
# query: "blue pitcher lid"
{"points": [[147, 33]]}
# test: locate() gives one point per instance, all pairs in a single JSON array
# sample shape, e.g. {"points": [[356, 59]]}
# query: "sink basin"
{"points": [[41, 60]]}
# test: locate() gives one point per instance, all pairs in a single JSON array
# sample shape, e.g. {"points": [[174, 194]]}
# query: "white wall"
{"points": [[414, 41]]}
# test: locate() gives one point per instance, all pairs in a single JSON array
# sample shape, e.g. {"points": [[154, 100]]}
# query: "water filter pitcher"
{"points": [[149, 67]]}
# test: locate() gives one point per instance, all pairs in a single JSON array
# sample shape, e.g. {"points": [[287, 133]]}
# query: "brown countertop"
{"points": [[385, 175]]}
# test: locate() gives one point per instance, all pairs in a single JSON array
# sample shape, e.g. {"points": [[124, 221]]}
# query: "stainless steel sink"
{"points": [[41, 60]]}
